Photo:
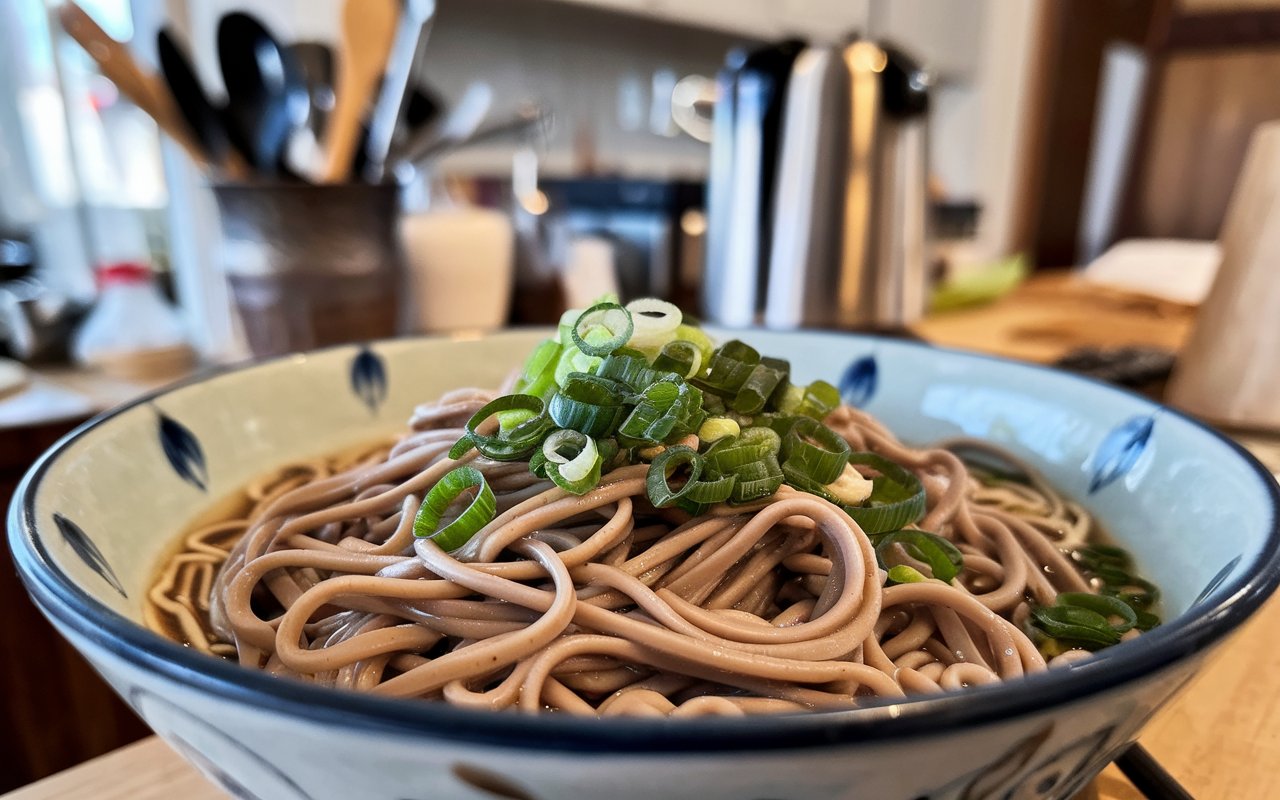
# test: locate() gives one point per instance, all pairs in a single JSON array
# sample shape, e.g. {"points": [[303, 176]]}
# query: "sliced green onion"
{"points": [[681, 357], [691, 508], [538, 377], [814, 450], [897, 496], [1079, 625], [730, 454], [1146, 620], [904, 574], [588, 404], [729, 368], [758, 435], [564, 330], [478, 513], [582, 453], [1098, 555], [757, 389], [602, 329], [1101, 604], [690, 333], [628, 367], [1139, 593], [574, 360], [658, 481], [655, 323], [816, 400], [461, 447], [789, 401], [1111, 576], [578, 470], [710, 492], [777, 422], [756, 479], [944, 560], [784, 367], [1112, 566], [668, 408], [1085, 619], [717, 428], [509, 420], [538, 463], [820, 399], [608, 449], [514, 444]]}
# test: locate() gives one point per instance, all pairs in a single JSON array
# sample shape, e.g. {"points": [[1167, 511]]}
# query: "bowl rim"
{"points": [[1199, 627]]}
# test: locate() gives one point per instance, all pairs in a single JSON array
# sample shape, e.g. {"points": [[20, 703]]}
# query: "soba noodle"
{"points": [[602, 605]]}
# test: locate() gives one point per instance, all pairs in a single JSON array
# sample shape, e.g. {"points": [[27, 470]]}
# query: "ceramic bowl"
{"points": [[96, 513]]}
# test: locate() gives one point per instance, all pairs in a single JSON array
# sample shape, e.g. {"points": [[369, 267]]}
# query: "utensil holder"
{"points": [[310, 266]]}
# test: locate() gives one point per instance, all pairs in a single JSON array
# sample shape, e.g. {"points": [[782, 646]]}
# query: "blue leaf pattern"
{"points": [[1118, 453], [183, 451], [369, 378], [1217, 580], [858, 383], [88, 551]]}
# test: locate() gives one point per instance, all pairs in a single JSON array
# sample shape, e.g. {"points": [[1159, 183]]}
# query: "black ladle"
{"points": [[204, 119], [267, 97], [315, 63]]}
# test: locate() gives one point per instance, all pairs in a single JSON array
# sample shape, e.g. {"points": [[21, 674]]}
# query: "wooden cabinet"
{"points": [[57, 712]]}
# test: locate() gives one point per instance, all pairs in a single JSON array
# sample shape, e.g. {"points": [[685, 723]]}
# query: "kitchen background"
{"points": [[90, 181], [1045, 179]]}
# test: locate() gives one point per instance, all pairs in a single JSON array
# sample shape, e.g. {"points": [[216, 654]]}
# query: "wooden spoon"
{"points": [[143, 89], [368, 30]]}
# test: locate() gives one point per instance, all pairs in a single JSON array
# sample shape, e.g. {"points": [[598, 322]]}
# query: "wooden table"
{"points": [[1220, 738], [1054, 313]]}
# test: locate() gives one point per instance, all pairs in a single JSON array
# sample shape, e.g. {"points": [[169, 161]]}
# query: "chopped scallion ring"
{"points": [[897, 496], [681, 357], [576, 467], [588, 404], [478, 513], [602, 329], [710, 491], [904, 574], [941, 556], [814, 450], [1085, 619], [514, 443], [658, 481], [655, 322]]}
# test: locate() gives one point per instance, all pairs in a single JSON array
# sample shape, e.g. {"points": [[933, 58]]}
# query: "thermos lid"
{"points": [[904, 85]]}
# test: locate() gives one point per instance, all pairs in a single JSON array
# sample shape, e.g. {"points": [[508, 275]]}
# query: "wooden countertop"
{"points": [[1220, 738], [58, 394], [1056, 312]]}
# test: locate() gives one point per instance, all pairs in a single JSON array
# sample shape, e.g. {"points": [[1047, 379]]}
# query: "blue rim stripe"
{"points": [[1200, 627]]}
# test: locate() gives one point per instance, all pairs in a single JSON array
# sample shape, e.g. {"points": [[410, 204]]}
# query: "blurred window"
{"points": [[80, 169]]}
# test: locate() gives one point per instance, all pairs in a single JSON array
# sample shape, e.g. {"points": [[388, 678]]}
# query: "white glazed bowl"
{"points": [[93, 517]]}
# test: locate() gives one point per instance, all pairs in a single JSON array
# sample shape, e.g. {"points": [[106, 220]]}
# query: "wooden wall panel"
{"points": [[1206, 108], [1215, 6], [1076, 35]]}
